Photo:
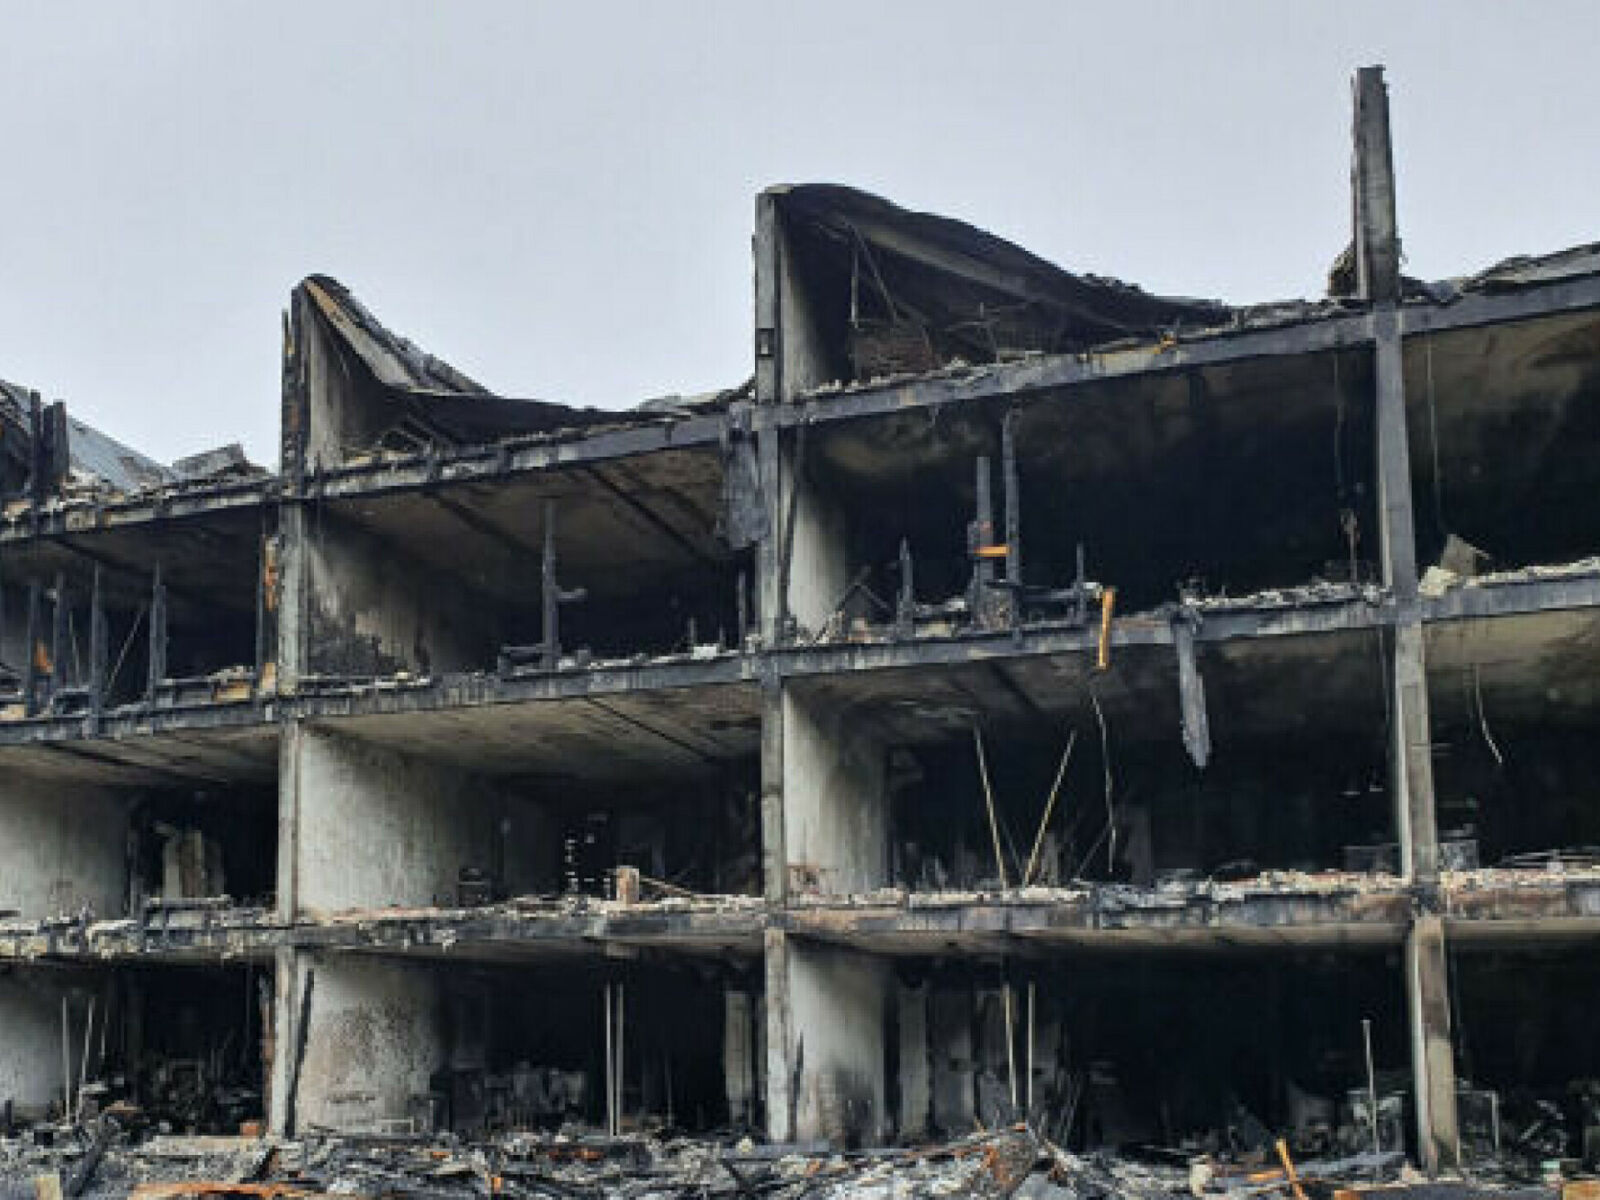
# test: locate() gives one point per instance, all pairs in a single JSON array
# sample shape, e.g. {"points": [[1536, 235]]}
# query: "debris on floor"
{"points": [[987, 1165]]}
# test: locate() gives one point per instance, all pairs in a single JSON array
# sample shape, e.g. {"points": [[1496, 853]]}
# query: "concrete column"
{"points": [[835, 801], [372, 1041], [774, 852], [292, 591], [817, 548], [791, 358], [62, 848], [31, 1065], [739, 1055], [283, 1072], [954, 1077], [1428, 1009], [374, 828], [290, 739], [767, 384], [782, 1097], [837, 1003], [916, 1080], [1377, 246], [824, 804]]}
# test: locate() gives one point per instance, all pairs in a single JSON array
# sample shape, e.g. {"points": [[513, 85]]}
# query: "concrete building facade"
{"points": [[1026, 696]]}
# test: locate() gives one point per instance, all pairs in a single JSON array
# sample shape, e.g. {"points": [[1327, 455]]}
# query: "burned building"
{"points": [[1168, 720]]}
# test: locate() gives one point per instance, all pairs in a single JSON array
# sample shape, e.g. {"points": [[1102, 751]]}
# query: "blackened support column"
{"points": [[1377, 260]]}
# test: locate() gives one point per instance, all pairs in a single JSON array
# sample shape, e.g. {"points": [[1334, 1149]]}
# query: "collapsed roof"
{"points": [[48, 450], [416, 400], [908, 291]]}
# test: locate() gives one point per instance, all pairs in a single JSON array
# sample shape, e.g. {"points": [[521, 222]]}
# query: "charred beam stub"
{"points": [[30, 669], [58, 637], [97, 655], [547, 653], [158, 637]]}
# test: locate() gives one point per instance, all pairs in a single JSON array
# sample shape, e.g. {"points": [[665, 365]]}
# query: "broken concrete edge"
{"points": [[1316, 329], [21, 522], [1333, 907]]}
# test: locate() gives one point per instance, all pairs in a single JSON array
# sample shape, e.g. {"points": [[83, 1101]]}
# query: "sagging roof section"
{"points": [[401, 399], [906, 291]]}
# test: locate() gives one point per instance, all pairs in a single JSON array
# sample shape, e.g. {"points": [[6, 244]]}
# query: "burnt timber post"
{"points": [[1377, 261]]}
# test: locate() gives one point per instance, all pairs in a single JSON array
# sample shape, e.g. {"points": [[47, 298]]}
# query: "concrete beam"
{"points": [[144, 508], [513, 457], [1370, 910]]}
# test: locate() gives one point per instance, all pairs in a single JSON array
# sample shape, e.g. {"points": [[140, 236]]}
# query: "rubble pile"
{"points": [[104, 1161]]}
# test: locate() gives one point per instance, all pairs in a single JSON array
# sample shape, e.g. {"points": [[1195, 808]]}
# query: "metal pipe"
{"points": [[105, 1025], [66, 1060], [83, 1064], [1372, 1086], [621, 1056], [1032, 987], [1011, 1046], [611, 1077]]}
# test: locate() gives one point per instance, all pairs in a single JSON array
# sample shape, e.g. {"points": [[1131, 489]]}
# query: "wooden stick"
{"points": [[1289, 1171], [1049, 808], [611, 1072], [1108, 604], [988, 799]]}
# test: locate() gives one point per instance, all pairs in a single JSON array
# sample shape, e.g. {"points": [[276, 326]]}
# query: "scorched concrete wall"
{"points": [[377, 828], [373, 1039], [62, 848]]}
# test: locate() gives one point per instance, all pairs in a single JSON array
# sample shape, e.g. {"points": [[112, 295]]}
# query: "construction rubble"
{"points": [[106, 1161]]}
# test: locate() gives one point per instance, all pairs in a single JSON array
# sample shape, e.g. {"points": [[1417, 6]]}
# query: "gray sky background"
{"points": [[558, 198]]}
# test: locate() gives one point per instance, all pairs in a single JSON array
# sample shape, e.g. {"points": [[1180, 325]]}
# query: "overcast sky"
{"points": [[558, 198]]}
